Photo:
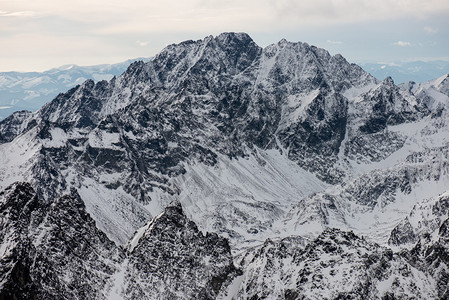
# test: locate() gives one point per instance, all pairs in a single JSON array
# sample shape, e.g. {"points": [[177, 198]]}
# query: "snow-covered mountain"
{"points": [[320, 180], [31, 90]]}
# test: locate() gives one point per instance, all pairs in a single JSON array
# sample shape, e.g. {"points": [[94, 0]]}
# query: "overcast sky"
{"points": [[36, 35]]}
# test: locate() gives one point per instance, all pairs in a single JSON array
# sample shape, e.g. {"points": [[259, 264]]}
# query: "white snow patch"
{"points": [[116, 213], [16, 159], [250, 194], [118, 283], [140, 232], [159, 200], [58, 138], [437, 82], [353, 94]]}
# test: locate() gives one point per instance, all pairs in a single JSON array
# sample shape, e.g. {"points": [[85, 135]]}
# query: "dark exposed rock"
{"points": [[402, 234], [174, 259], [15, 124], [336, 265], [55, 251]]}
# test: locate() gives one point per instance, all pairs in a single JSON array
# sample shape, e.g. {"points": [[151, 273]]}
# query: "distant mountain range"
{"points": [[417, 71], [31, 90]]}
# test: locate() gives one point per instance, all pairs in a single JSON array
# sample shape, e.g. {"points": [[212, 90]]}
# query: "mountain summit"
{"points": [[284, 142]]}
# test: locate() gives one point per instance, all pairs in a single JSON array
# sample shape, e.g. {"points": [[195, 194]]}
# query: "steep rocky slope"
{"points": [[336, 265], [55, 251], [49, 250], [172, 259]]}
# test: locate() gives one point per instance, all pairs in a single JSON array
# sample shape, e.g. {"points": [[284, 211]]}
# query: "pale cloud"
{"points": [[142, 44], [402, 44], [129, 25], [430, 30], [112, 16], [389, 64], [25, 13], [28, 52], [350, 11]]}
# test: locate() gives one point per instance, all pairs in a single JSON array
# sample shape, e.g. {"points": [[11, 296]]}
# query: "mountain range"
{"points": [[402, 72], [31, 90], [223, 170]]}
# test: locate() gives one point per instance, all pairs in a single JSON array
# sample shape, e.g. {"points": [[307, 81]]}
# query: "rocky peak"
{"points": [[172, 252], [51, 250], [181, 65], [423, 222], [237, 44], [388, 81], [55, 251], [79, 107], [388, 107], [254, 127], [442, 84], [193, 102], [15, 124]]}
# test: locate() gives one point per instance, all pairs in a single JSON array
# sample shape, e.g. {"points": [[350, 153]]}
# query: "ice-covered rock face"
{"points": [[49, 250], [253, 143], [335, 265]]}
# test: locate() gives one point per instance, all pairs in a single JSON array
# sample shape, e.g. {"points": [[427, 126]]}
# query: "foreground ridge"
{"points": [[49, 249], [56, 252]]}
